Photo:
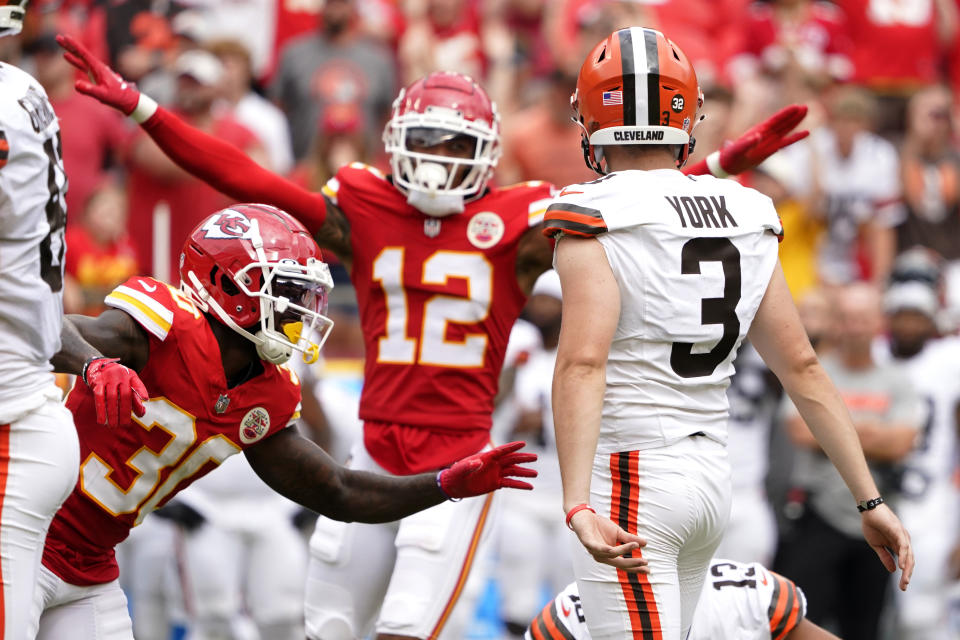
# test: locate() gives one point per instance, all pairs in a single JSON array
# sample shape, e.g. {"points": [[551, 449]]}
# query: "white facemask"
{"points": [[430, 176]]}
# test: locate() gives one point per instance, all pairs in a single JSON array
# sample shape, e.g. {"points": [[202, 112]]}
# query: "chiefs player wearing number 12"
{"points": [[663, 276], [253, 291], [442, 263]]}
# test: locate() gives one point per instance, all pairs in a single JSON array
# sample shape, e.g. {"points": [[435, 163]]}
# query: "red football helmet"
{"points": [[257, 269], [432, 110], [636, 87]]}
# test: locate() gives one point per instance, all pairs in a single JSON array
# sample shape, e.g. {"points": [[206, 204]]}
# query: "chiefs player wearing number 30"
{"points": [[253, 291], [442, 263], [663, 276]]}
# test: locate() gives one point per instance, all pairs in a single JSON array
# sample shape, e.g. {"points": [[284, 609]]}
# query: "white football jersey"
{"points": [[739, 601], [935, 374], [692, 256], [32, 221], [754, 398]]}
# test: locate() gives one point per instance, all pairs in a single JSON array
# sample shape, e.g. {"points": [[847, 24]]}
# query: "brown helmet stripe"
{"points": [[653, 76], [628, 71]]}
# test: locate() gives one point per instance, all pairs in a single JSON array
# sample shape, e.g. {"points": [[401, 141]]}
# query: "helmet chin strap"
{"points": [[429, 177]]}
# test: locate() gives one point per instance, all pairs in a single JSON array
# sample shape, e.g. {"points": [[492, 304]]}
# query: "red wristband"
{"points": [[577, 509]]}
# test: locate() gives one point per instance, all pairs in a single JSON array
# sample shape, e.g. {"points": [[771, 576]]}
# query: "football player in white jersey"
{"points": [[39, 454], [739, 601], [663, 276], [928, 498]]}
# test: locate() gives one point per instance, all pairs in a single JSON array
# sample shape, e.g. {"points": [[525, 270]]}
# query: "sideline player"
{"points": [[442, 264], [928, 498], [739, 601], [663, 276], [253, 289]]}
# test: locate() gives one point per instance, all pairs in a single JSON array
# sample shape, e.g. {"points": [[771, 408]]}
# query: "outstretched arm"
{"points": [[755, 145], [300, 470], [217, 163]]}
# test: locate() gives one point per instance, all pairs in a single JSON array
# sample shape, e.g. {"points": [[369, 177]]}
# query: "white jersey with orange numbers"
{"points": [[692, 256], [32, 220], [739, 602]]}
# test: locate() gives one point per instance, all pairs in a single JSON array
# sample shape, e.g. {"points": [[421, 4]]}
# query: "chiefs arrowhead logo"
{"points": [[254, 425], [227, 224]]}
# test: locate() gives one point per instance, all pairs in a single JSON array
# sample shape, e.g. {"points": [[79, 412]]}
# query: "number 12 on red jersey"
{"points": [[396, 347]]}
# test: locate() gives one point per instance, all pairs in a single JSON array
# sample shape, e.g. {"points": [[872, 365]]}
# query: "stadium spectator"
{"points": [[339, 141], [250, 108], [541, 143], [823, 552], [930, 166], [90, 137], [801, 37], [157, 186], [850, 178], [101, 254], [775, 178], [333, 65], [924, 28]]}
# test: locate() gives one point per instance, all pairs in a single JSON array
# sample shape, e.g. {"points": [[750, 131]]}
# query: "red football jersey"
{"points": [[193, 422], [437, 298]]}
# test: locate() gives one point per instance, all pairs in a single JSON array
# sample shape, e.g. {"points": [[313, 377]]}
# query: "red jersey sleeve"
{"points": [[229, 170]]}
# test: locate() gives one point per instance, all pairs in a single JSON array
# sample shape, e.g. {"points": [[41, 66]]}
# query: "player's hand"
{"points": [[761, 141], [608, 543], [884, 532], [106, 85], [488, 471], [117, 391]]}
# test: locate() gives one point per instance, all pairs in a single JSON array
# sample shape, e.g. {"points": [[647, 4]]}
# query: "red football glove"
{"points": [[760, 142], [487, 471], [117, 390], [107, 85]]}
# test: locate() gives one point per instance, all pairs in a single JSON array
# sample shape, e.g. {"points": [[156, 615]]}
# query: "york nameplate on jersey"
{"points": [[37, 107], [637, 136], [709, 211]]}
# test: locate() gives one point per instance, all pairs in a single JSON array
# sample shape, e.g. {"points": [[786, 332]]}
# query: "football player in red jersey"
{"points": [[210, 354], [442, 263]]}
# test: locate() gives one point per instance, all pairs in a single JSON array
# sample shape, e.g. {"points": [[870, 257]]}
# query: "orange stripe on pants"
{"points": [[4, 472], [465, 570]]}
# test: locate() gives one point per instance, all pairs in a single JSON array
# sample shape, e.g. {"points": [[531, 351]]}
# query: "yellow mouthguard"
{"points": [[293, 330]]}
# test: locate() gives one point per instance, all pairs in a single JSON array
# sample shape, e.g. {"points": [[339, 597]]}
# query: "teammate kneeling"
{"points": [[253, 288], [739, 601]]}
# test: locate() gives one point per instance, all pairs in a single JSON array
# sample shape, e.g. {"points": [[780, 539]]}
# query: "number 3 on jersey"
{"points": [[439, 311]]}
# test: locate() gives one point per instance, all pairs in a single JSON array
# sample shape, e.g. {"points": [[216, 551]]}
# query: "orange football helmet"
{"points": [[636, 87]]}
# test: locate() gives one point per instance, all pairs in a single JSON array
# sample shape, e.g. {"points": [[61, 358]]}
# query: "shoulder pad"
{"points": [[574, 211], [349, 174], [152, 303]]}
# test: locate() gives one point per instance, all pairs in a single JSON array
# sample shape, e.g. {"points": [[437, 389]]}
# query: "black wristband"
{"points": [[86, 365], [869, 505]]}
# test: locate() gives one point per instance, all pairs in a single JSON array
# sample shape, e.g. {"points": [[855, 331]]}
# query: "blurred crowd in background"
{"points": [[870, 205]]}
